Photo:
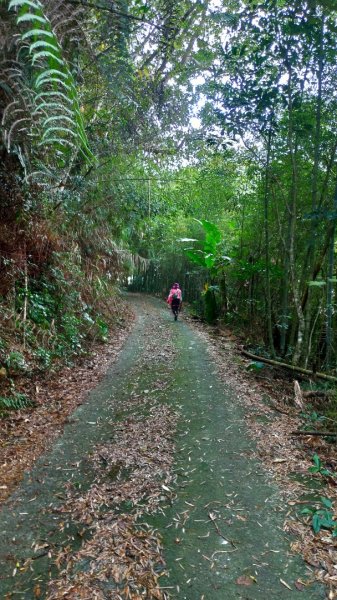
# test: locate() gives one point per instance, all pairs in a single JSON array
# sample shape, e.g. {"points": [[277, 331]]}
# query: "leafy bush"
{"points": [[56, 312], [322, 517], [45, 357], [318, 467], [211, 309], [42, 307], [312, 418], [15, 362], [103, 329]]}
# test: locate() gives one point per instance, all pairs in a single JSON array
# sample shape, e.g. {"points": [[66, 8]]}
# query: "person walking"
{"points": [[175, 299]]}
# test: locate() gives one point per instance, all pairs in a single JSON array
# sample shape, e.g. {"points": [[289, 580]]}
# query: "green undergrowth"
{"points": [[320, 512], [53, 321], [320, 411], [330, 411], [207, 306], [16, 401]]}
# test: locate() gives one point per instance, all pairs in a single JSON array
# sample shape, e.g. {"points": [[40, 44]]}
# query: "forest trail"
{"points": [[220, 520]]}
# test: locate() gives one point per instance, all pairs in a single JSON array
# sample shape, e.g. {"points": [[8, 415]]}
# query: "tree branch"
{"points": [[119, 13], [277, 363]]}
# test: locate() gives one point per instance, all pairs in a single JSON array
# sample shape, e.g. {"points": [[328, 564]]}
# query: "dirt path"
{"points": [[87, 515]]}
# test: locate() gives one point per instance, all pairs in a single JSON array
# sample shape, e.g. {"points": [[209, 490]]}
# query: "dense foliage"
{"points": [[164, 141], [266, 175]]}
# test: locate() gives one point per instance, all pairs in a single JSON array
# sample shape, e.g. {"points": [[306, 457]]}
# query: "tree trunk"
{"points": [[314, 187], [292, 216], [266, 239], [329, 288], [25, 301], [285, 289]]}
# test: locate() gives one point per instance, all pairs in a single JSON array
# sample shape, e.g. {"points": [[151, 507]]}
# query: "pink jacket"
{"points": [[174, 291]]}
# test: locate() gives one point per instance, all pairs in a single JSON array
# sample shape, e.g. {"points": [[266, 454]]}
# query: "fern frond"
{"points": [[59, 118], [52, 105], [53, 77], [56, 94], [18, 4], [42, 43], [13, 126], [37, 33], [6, 88], [30, 17], [66, 130], [60, 141], [41, 172], [16, 402], [46, 54], [56, 80]]}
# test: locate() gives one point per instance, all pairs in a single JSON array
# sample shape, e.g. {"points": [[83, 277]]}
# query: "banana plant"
{"points": [[208, 256]]}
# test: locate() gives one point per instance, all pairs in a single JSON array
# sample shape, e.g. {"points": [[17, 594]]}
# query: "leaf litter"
{"points": [[26, 434], [134, 477], [286, 458], [122, 559]]}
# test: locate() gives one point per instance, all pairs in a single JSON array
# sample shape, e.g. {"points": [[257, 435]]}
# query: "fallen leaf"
{"points": [[285, 584], [244, 580], [299, 585]]}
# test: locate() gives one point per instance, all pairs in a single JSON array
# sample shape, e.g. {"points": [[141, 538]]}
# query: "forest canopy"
{"points": [[154, 142]]}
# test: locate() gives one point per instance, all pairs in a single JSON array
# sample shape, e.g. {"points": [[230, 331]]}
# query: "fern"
{"points": [[51, 76], [16, 402]]}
